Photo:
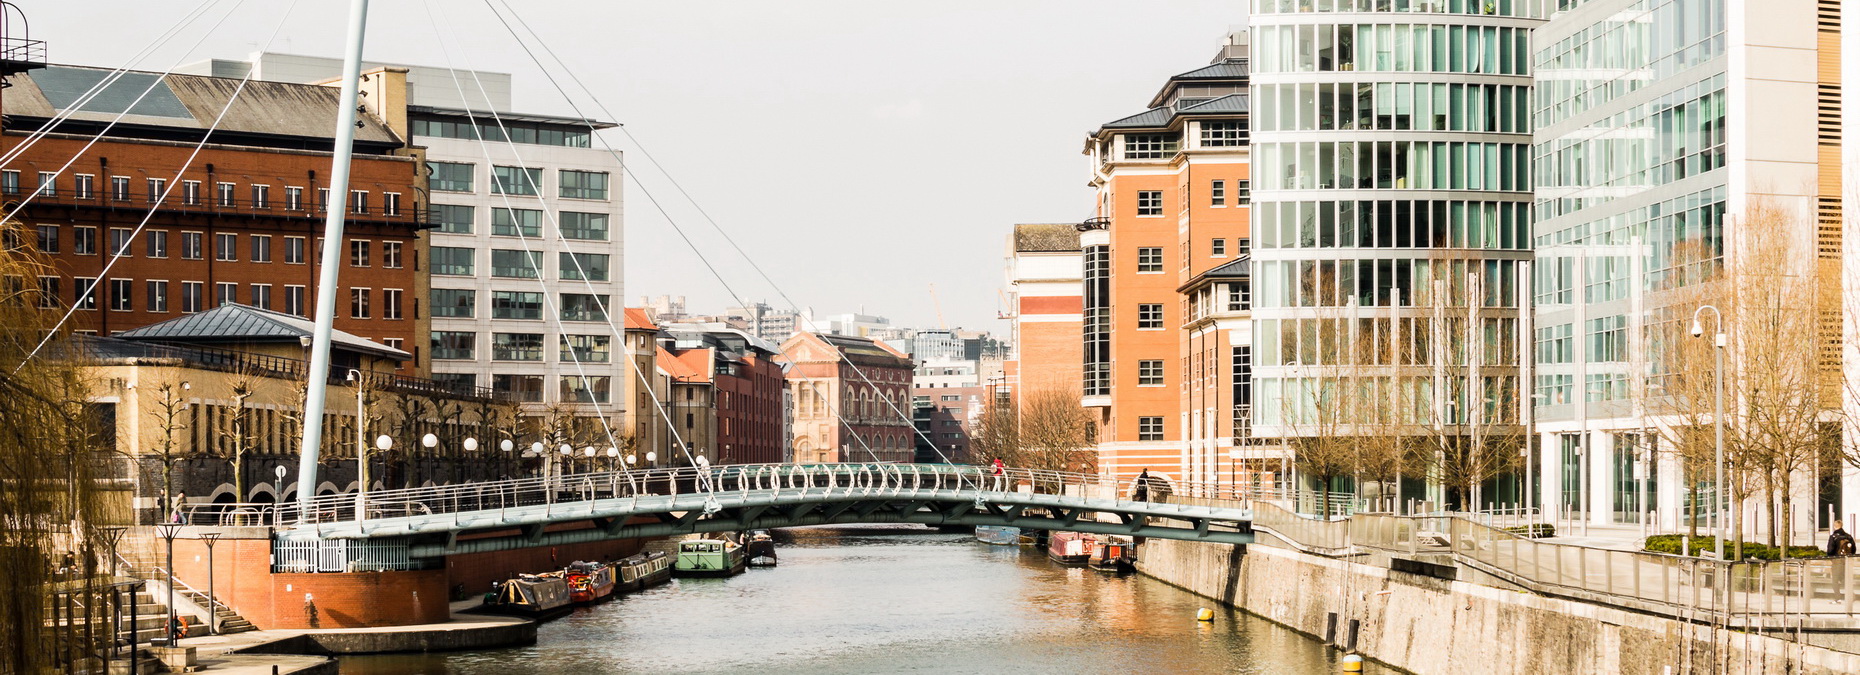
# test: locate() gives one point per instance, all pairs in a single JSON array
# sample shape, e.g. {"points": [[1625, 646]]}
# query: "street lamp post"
{"points": [[168, 532], [429, 441], [1717, 417], [213, 615]]}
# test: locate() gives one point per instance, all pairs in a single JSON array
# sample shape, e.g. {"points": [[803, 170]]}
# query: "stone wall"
{"points": [[1427, 625]]}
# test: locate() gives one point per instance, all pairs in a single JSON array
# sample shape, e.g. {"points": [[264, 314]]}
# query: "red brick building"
{"points": [[851, 399], [240, 222]]}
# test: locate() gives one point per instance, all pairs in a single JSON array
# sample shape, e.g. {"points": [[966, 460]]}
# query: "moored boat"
{"points": [[588, 582], [532, 595], [709, 558], [762, 550], [643, 571], [997, 534], [1069, 548], [1113, 554]]}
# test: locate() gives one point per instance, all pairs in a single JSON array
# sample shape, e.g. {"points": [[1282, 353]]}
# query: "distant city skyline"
{"points": [[911, 91]]}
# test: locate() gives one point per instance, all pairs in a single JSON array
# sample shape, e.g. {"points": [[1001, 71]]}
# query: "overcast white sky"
{"points": [[859, 150]]}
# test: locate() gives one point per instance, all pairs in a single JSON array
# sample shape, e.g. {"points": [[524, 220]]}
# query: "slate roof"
{"points": [[1231, 103], [1238, 268], [187, 102], [1154, 117], [1225, 70], [1046, 237], [235, 323]]}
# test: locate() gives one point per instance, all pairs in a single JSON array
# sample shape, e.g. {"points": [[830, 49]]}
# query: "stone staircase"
{"points": [[140, 623], [230, 621]]}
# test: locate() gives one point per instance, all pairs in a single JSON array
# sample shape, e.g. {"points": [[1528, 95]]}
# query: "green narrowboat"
{"points": [[709, 558]]}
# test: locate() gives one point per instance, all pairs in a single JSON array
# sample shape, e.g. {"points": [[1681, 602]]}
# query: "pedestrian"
{"points": [[1142, 491], [1840, 543], [175, 508], [999, 470]]}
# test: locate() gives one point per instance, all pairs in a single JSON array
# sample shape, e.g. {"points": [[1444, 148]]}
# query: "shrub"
{"points": [[1533, 531], [1674, 544]]}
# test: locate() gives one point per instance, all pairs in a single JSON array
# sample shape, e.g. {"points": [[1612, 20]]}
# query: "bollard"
{"points": [[1352, 663], [1205, 615]]}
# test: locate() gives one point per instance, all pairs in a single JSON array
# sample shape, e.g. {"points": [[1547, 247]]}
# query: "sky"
{"points": [[859, 152]]}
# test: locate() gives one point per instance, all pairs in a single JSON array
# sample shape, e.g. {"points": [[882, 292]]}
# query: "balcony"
{"points": [[18, 51], [416, 217]]}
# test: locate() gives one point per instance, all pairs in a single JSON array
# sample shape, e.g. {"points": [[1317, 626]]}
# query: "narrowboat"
{"points": [[1069, 548], [532, 595], [997, 534], [762, 550], [643, 571], [1113, 554], [589, 582], [709, 558]]}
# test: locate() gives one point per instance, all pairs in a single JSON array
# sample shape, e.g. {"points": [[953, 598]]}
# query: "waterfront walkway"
{"points": [[235, 653]]}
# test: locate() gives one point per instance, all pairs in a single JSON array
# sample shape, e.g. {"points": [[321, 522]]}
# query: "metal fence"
{"points": [[341, 555]]}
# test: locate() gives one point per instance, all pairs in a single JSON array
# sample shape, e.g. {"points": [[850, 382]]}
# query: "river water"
{"points": [[882, 599]]}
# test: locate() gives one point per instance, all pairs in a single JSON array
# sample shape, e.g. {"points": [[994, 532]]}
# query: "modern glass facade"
{"points": [[1391, 206]]}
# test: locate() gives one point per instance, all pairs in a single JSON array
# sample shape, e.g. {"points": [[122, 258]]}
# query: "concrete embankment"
{"points": [[1428, 625]]}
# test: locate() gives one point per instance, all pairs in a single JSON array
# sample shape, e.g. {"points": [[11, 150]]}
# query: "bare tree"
{"points": [[169, 413], [1045, 430]]}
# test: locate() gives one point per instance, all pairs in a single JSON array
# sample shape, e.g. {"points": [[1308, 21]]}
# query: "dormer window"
{"points": [[1150, 146], [1223, 133]]}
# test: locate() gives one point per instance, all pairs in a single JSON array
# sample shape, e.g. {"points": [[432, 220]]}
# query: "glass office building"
{"points": [[1392, 212]]}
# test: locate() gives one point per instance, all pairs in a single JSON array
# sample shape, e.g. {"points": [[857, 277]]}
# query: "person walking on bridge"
{"points": [[998, 469], [1141, 492]]}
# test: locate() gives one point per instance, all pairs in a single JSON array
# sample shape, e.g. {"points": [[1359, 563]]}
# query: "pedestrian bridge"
{"points": [[478, 517]]}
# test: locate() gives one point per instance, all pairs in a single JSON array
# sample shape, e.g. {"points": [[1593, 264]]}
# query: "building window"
{"points": [[1150, 373], [390, 203], [293, 198], [585, 226], [358, 253], [190, 192], [1217, 193], [122, 294], [261, 296], [227, 198], [48, 183], [1217, 248], [48, 238], [294, 250], [525, 388], [261, 196], [591, 389], [358, 201], [454, 218], [454, 344], [390, 255], [86, 289], [1149, 203], [451, 176], [390, 304], [358, 303], [119, 188], [585, 349], [454, 303], [583, 307], [516, 305], [122, 241], [515, 264], [83, 186], [1149, 428], [1244, 246], [516, 222], [515, 180], [452, 260], [193, 296], [322, 200], [457, 382], [1244, 191], [158, 296], [583, 184], [1150, 146], [1149, 316], [227, 292], [48, 292], [84, 240], [584, 266], [1149, 259], [1239, 297], [294, 304], [1223, 134], [157, 243], [516, 346]]}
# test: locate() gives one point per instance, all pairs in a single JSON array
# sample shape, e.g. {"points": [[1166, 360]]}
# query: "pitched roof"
{"points": [[638, 319], [1046, 237], [235, 323], [1239, 268], [1154, 117], [1224, 70], [1231, 103], [859, 350], [187, 102], [685, 365]]}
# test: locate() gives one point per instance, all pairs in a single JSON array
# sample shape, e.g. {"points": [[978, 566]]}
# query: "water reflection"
{"points": [[887, 599]]}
